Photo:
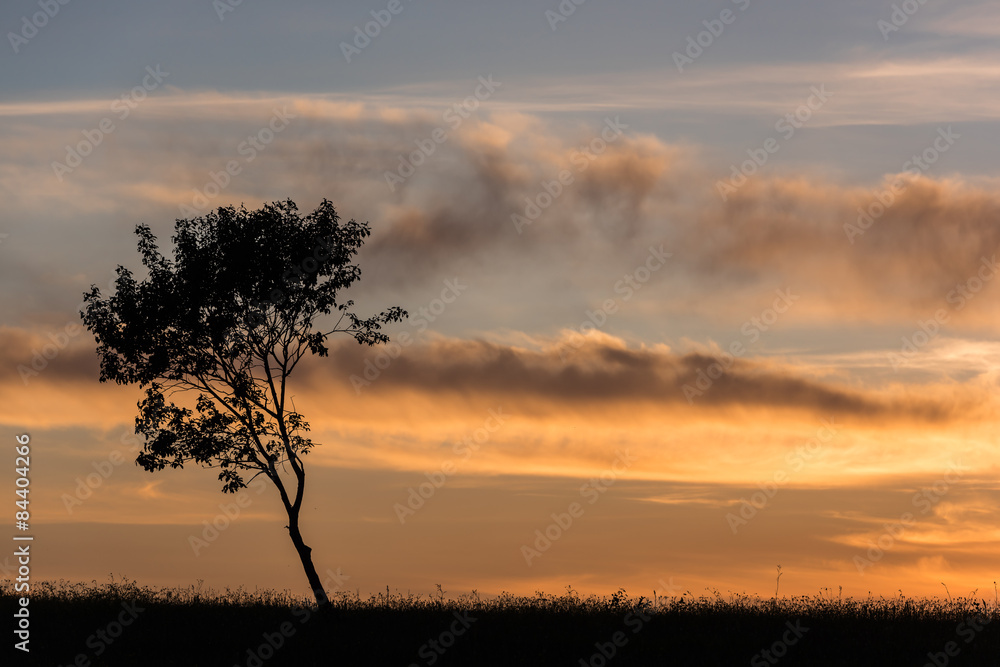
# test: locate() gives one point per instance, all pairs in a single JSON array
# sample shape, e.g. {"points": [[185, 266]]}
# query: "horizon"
{"points": [[694, 291]]}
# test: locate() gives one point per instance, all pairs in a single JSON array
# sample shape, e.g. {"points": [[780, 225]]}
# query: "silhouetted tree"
{"points": [[228, 320]]}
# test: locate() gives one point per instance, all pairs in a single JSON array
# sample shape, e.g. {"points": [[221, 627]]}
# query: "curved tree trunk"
{"points": [[305, 555]]}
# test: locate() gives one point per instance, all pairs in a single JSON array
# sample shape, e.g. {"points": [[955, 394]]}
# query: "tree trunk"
{"points": [[305, 555]]}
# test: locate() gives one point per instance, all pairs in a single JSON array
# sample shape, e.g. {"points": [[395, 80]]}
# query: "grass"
{"points": [[122, 623]]}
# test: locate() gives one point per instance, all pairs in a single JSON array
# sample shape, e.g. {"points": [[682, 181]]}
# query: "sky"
{"points": [[695, 289]]}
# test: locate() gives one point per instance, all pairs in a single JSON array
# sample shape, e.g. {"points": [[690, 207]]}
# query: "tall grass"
{"points": [[195, 625]]}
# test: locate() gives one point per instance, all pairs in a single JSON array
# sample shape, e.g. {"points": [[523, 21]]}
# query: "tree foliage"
{"points": [[228, 319]]}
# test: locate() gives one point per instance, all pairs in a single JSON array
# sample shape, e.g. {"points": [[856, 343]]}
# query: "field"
{"points": [[121, 623]]}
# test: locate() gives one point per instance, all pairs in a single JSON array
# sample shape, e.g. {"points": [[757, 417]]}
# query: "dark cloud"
{"points": [[59, 355], [931, 238], [454, 212], [597, 372]]}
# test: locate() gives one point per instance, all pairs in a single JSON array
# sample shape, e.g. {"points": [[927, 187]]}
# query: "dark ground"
{"points": [[121, 624]]}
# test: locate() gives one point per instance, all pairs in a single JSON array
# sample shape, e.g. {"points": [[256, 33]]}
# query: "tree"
{"points": [[228, 320]]}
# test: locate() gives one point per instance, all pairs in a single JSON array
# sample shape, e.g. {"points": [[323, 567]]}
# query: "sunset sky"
{"points": [[720, 273]]}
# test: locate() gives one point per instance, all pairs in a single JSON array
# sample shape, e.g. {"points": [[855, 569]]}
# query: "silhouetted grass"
{"points": [[194, 627]]}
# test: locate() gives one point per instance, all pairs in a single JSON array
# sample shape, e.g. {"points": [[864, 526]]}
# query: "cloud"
{"points": [[569, 372], [456, 209], [61, 355], [933, 239], [602, 371]]}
